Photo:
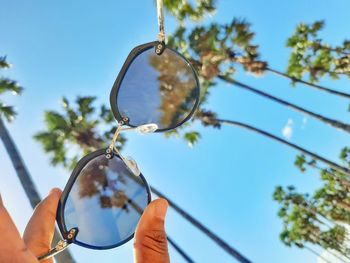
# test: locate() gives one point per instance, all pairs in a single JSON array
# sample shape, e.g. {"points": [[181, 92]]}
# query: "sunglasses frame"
{"points": [[66, 233], [69, 235], [159, 47]]}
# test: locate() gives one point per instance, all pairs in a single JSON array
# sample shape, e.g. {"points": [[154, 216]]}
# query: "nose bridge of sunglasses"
{"points": [[147, 128], [142, 129]]}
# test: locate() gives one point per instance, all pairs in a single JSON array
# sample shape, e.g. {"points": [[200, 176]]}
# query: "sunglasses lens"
{"points": [[105, 203], [161, 89]]}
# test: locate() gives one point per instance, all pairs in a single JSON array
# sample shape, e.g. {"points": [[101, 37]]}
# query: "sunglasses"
{"points": [[157, 90]]}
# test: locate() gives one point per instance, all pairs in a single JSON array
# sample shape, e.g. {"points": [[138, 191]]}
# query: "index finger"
{"points": [[39, 232]]}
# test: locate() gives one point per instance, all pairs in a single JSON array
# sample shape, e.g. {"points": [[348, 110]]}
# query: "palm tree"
{"points": [[212, 50], [8, 112], [312, 56], [7, 85], [305, 220], [331, 122], [259, 67], [300, 43], [309, 84], [209, 118]]}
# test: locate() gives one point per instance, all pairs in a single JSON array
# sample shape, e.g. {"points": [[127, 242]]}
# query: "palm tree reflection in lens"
{"points": [[107, 196], [177, 87], [97, 181]]}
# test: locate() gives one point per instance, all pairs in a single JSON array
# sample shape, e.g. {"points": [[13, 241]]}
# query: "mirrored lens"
{"points": [[105, 203], [160, 89]]}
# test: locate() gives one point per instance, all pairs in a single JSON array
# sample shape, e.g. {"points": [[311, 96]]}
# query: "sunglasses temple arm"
{"points": [[161, 35], [61, 245]]}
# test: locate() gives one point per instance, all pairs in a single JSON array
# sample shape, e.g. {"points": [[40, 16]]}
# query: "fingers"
{"points": [[10, 240], [150, 243], [40, 229]]}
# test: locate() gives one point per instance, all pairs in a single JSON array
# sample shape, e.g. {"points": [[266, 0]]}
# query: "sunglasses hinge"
{"points": [[109, 153], [71, 235], [160, 47], [124, 121], [61, 245]]}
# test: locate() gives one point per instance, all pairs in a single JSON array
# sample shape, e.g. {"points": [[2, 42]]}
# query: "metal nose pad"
{"points": [[130, 162]]}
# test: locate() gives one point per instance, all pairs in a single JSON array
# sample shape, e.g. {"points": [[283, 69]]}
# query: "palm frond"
{"points": [[56, 121], [54, 144], [85, 105], [8, 85], [7, 111], [3, 63]]}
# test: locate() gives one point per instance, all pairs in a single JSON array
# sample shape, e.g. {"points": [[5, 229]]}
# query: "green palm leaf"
{"points": [[8, 85]]}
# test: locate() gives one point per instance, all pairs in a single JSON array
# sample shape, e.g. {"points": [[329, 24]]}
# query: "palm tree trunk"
{"points": [[331, 122], [214, 121], [180, 251], [317, 254], [303, 150], [318, 240], [233, 58], [230, 250], [28, 184], [309, 84]]}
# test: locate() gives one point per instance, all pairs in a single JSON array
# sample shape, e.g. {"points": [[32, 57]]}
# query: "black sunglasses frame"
{"points": [[133, 54], [60, 210], [69, 235]]}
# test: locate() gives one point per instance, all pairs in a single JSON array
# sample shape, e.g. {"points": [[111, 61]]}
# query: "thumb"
{"points": [[150, 243]]}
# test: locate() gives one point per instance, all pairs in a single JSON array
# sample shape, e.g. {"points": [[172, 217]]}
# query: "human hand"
{"points": [[37, 236], [150, 244]]}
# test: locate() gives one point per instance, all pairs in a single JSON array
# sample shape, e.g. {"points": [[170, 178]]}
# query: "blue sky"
{"points": [[70, 48]]}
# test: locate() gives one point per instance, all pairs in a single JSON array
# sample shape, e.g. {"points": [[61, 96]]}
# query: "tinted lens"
{"points": [[105, 203], [160, 89]]}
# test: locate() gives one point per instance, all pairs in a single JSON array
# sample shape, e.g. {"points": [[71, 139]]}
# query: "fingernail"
{"points": [[161, 208], [55, 191]]}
